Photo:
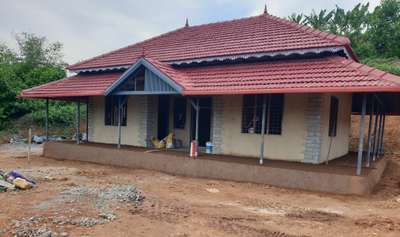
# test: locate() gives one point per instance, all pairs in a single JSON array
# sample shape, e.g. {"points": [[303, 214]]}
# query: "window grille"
{"points": [[252, 113], [111, 111], [179, 113], [333, 116]]}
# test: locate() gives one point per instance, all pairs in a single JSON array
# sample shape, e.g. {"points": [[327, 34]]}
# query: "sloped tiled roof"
{"points": [[79, 85], [330, 74], [259, 34], [322, 75]]}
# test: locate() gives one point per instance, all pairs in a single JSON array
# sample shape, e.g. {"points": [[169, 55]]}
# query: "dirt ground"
{"points": [[182, 206]]}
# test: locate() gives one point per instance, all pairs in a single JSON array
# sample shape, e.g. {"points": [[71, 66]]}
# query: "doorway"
{"points": [[163, 116], [204, 121]]}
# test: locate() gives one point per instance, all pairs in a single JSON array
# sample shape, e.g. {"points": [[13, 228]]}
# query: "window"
{"points": [[252, 113], [333, 116], [111, 111], [135, 83], [179, 113]]}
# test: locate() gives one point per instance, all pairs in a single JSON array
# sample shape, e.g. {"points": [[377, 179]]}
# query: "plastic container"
{"points": [[193, 149], [209, 147]]}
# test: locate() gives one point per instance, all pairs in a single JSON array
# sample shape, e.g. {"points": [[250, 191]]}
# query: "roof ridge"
{"points": [[327, 37], [128, 46], [323, 34], [159, 36]]}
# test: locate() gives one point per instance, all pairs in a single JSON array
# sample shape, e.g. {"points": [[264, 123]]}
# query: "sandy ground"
{"points": [[182, 206]]}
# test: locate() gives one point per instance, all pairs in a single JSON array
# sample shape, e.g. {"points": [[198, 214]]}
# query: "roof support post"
{"points": [[87, 119], [265, 124], [197, 124], [78, 121], [374, 133], [376, 154], [196, 107], [379, 150], [369, 132], [382, 151], [47, 120], [361, 135], [119, 122], [264, 109]]}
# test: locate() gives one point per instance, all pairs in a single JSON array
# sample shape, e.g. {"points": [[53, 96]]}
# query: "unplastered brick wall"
{"points": [[217, 124], [147, 117], [313, 119]]}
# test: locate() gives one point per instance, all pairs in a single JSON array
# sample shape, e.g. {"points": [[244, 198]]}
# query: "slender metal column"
{"points": [[47, 120], [119, 122], [197, 121], [379, 151], [369, 132], [374, 133], [361, 135], [264, 110], [87, 119], [382, 138], [378, 136], [78, 121]]}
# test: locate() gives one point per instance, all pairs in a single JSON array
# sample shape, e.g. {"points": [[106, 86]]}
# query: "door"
{"points": [[163, 116], [204, 121]]}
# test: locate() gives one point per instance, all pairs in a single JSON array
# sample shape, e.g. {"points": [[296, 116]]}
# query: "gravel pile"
{"points": [[33, 227], [103, 196], [81, 221], [100, 198]]}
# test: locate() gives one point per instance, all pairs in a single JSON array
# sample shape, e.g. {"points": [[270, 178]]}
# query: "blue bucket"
{"points": [[209, 147]]}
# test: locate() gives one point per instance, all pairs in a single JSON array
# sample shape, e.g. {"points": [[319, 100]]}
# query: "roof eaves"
{"points": [[264, 54]]}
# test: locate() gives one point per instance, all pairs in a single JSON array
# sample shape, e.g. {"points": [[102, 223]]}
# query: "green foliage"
{"points": [[36, 62], [391, 65], [373, 34], [298, 18]]}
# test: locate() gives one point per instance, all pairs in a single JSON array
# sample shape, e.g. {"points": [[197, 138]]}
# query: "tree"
{"points": [[36, 51], [298, 18], [384, 32], [35, 62], [321, 20]]}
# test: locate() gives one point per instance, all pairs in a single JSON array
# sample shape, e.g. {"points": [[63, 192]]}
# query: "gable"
{"points": [[143, 79]]}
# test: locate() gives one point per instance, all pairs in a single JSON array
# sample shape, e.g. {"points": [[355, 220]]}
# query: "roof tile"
{"points": [[264, 33]]}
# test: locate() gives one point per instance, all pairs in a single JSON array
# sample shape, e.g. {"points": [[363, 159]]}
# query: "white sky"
{"points": [[87, 28]]}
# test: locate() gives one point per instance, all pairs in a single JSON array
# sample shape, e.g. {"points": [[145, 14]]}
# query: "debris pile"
{"points": [[14, 180], [33, 227]]}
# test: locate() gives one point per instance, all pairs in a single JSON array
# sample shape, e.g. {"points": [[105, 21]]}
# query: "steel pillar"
{"points": [[371, 112], [361, 135], [78, 121], [47, 120]]}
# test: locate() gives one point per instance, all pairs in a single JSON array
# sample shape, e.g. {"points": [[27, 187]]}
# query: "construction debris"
{"points": [[22, 184], [14, 180]]}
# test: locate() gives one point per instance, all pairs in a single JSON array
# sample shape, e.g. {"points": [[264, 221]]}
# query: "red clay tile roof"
{"points": [[80, 85], [330, 74], [322, 75], [259, 34]]}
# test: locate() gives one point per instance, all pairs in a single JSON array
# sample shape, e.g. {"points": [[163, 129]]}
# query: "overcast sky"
{"points": [[87, 28]]}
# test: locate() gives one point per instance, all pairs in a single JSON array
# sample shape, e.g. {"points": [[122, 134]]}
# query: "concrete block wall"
{"points": [[217, 124], [313, 119], [147, 117]]}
